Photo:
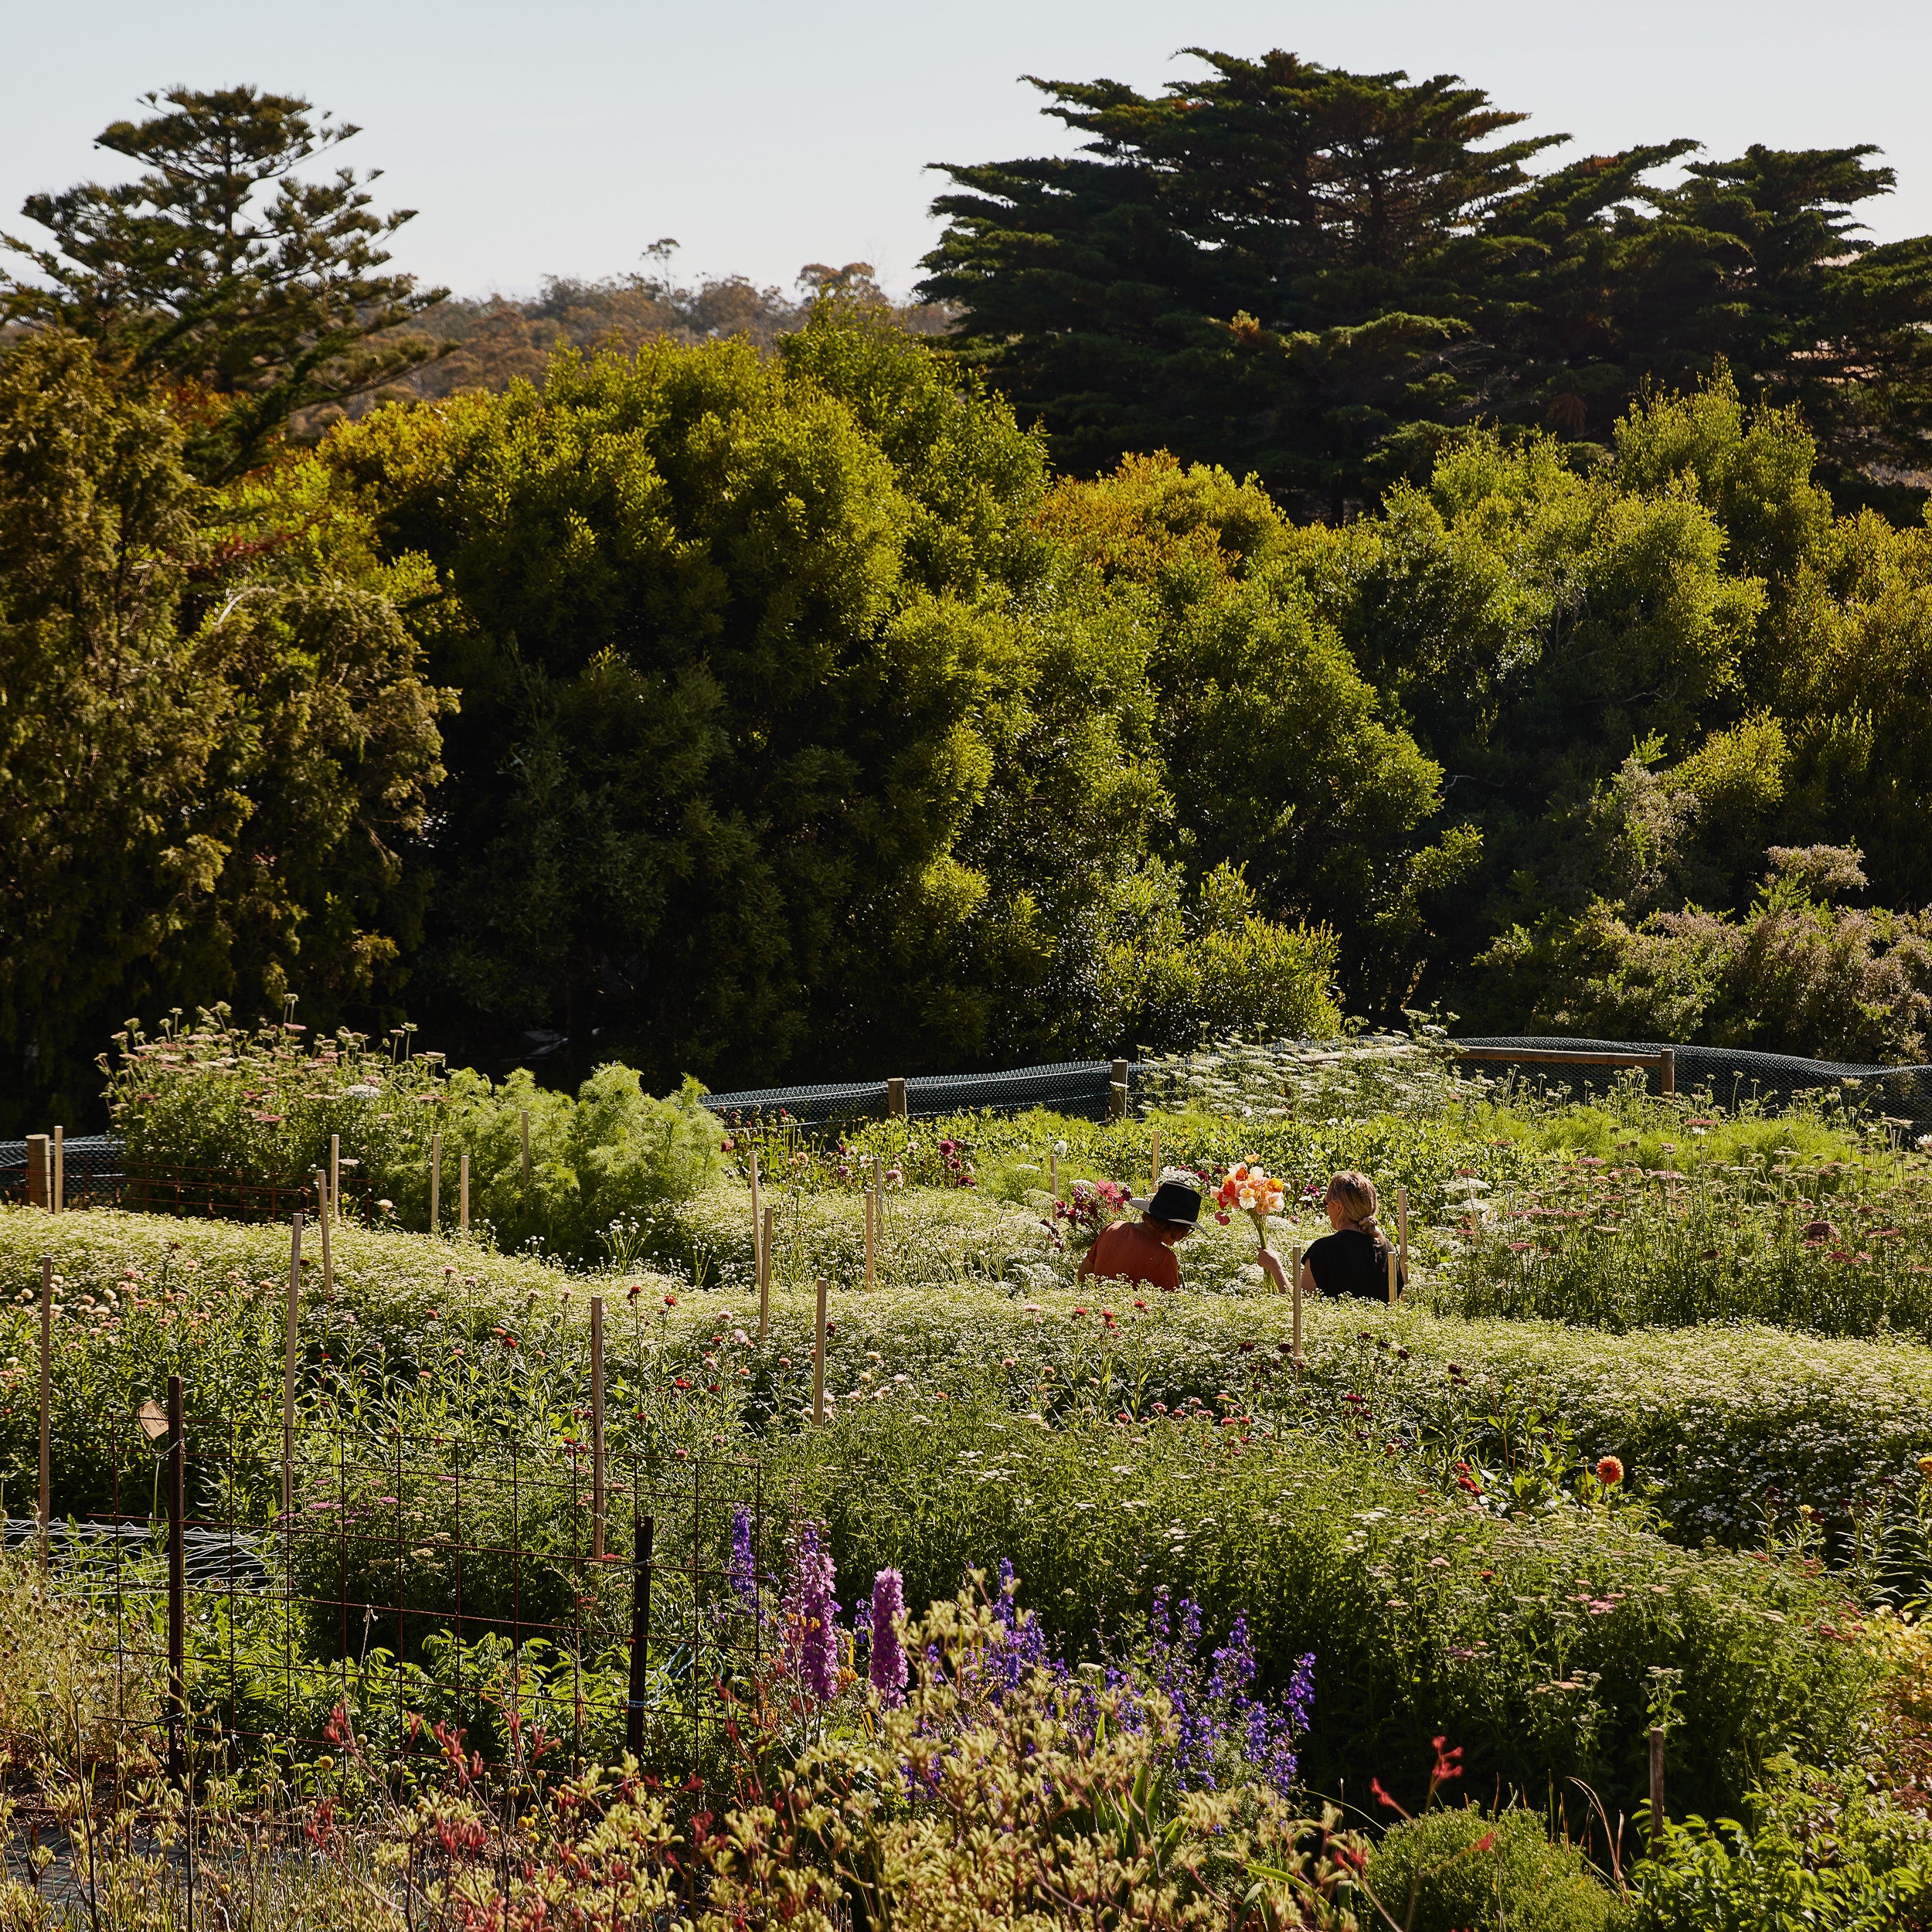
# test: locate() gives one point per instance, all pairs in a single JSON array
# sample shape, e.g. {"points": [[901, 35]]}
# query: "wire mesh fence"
{"points": [[1732, 1076], [253, 1587]]}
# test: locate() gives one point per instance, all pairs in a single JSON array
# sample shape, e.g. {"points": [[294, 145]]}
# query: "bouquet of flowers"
{"points": [[1255, 1192]]}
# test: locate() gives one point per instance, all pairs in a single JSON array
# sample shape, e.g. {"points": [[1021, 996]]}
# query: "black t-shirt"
{"points": [[1350, 1262]]}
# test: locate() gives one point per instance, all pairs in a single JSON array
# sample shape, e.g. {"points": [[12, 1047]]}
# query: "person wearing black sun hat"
{"points": [[1143, 1250]]}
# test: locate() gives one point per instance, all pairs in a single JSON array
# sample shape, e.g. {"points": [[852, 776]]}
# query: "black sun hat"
{"points": [[1173, 1201]]}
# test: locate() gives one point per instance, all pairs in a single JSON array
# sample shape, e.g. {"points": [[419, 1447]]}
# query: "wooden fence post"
{"points": [[640, 1636], [896, 1098], [436, 1179], [47, 1409], [1294, 1262], [288, 1376], [462, 1197], [1667, 1071], [819, 1359], [59, 1190], [40, 1170], [177, 1584], [1117, 1091], [597, 1428]]}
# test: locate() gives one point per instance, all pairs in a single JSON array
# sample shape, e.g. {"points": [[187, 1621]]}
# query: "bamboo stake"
{"points": [[818, 1360], [1053, 1170], [436, 1180], [335, 1178], [1392, 1277], [59, 1190], [288, 1375], [523, 1124], [463, 1199], [1154, 1164], [597, 1428], [1295, 1280], [764, 1280], [871, 1211], [47, 1409]]}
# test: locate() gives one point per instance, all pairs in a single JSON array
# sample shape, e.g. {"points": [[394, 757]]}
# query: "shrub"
{"points": [[1463, 1869]]}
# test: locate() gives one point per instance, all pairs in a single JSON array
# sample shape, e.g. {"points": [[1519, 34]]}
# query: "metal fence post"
{"points": [[597, 1428], [47, 1409], [288, 1375], [177, 1584], [639, 1636]]}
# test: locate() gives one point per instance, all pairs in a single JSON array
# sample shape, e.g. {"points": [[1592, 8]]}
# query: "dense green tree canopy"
{"points": [[215, 743], [1314, 274]]}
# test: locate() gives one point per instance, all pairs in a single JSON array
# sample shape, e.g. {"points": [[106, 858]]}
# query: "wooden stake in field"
{"points": [[288, 1375], [1393, 1288], [1656, 1784], [47, 1409], [871, 1215], [325, 1213], [59, 1188], [1154, 1164], [523, 1127], [764, 1279], [878, 1198], [436, 1180], [1053, 1171], [334, 1176], [597, 1428], [759, 1234], [463, 1199], [1295, 1281], [1401, 1226], [819, 1359]]}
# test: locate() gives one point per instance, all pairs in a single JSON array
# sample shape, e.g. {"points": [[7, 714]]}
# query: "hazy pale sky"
{"points": [[566, 138]]}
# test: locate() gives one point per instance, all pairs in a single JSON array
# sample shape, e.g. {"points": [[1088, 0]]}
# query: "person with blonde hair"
{"points": [[1354, 1260]]}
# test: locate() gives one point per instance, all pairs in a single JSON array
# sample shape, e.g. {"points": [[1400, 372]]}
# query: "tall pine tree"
{"points": [[218, 268]]}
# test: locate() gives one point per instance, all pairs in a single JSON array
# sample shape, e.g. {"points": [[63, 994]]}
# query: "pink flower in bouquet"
{"points": [[1255, 1192]]}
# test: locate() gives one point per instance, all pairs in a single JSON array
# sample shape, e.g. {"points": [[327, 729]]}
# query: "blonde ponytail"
{"points": [[1356, 1193]]}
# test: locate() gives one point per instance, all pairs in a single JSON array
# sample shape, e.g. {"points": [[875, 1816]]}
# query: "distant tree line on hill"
{"points": [[773, 706]]}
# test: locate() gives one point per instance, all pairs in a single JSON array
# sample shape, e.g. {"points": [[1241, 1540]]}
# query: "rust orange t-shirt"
{"points": [[1131, 1251]]}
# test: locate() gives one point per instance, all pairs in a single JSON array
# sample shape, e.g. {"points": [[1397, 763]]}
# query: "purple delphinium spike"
{"points": [[744, 1570], [813, 1611], [888, 1672]]}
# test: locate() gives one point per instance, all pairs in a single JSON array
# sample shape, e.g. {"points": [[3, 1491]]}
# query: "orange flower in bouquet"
{"points": [[1255, 1192]]}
